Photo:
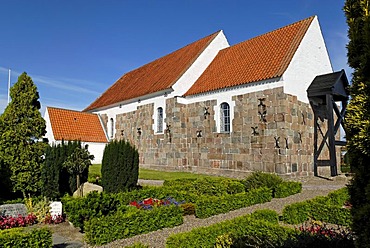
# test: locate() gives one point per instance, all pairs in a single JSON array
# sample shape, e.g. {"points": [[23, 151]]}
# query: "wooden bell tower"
{"points": [[324, 94]]}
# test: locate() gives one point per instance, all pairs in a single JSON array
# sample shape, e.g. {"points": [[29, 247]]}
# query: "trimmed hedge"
{"points": [[209, 206], [234, 230], [99, 231], [328, 209], [287, 188], [96, 204], [212, 186], [20, 237]]}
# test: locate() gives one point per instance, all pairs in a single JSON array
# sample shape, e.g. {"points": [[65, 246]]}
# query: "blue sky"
{"points": [[75, 49]]}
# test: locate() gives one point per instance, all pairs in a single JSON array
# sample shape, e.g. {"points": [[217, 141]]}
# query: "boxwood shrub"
{"points": [[287, 188], [21, 237], [95, 204], [212, 186], [208, 206], [102, 230], [261, 179], [323, 208], [254, 227]]}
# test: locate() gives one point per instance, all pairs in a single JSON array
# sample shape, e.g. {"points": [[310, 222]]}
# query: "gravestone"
{"points": [[56, 209], [13, 210], [86, 188]]}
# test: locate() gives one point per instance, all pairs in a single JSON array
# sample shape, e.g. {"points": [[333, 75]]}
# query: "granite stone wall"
{"points": [[272, 131]]}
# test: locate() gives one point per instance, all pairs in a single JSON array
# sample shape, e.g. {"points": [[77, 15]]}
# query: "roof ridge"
{"points": [[262, 57], [269, 32], [199, 53], [159, 81], [71, 110]]}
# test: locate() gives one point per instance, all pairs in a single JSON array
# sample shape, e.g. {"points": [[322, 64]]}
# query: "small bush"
{"points": [[328, 209], [93, 205], [267, 215], [261, 179], [244, 229], [207, 186], [188, 208], [120, 225], [208, 206], [296, 213], [288, 188], [19, 237]]}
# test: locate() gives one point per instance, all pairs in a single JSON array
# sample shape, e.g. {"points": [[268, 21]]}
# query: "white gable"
{"points": [[311, 59]]}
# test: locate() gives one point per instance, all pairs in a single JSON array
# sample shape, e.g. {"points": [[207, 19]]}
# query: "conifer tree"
{"points": [[120, 166], [21, 127], [358, 117]]}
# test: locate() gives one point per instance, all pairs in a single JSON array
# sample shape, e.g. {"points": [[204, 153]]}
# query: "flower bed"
{"points": [[7, 222], [149, 203]]}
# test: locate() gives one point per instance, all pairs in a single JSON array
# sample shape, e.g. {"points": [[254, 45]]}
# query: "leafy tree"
{"points": [[358, 116], [120, 166], [21, 127], [77, 163]]}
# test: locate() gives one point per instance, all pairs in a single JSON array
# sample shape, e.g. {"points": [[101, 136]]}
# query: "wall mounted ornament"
{"points": [[262, 109], [206, 112], [139, 131], [255, 131], [199, 133], [167, 131], [277, 142]]}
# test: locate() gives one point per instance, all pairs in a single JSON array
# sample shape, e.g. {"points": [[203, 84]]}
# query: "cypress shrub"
{"points": [[56, 181], [120, 166]]}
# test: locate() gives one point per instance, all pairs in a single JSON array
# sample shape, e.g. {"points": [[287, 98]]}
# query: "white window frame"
{"points": [[217, 110], [225, 120], [160, 120]]}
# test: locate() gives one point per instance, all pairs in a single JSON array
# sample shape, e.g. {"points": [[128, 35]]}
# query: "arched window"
{"points": [[111, 127], [225, 117], [159, 120]]}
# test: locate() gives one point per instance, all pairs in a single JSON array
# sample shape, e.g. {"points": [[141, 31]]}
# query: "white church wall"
{"points": [[310, 60]]}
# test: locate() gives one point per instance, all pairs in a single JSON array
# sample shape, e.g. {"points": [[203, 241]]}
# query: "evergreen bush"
{"points": [[247, 229], [328, 209], [19, 237], [99, 231], [207, 206], [120, 166], [56, 181], [261, 179]]}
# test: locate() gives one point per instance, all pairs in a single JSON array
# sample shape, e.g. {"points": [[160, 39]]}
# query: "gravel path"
{"points": [[312, 187]]}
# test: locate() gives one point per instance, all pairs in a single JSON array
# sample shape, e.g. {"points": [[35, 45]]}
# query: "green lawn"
{"points": [[94, 171]]}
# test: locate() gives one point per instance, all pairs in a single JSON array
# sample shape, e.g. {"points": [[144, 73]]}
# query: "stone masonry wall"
{"points": [[272, 132]]}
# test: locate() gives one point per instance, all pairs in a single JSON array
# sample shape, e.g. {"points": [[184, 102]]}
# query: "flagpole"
{"points": [[8, 86]]}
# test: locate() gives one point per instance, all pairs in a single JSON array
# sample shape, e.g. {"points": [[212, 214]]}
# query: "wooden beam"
{"points": [[331, 135]]}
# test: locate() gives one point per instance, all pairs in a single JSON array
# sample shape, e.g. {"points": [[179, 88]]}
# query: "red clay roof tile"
{"points": [[74, 125], [260, 58], [155, 76]]}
